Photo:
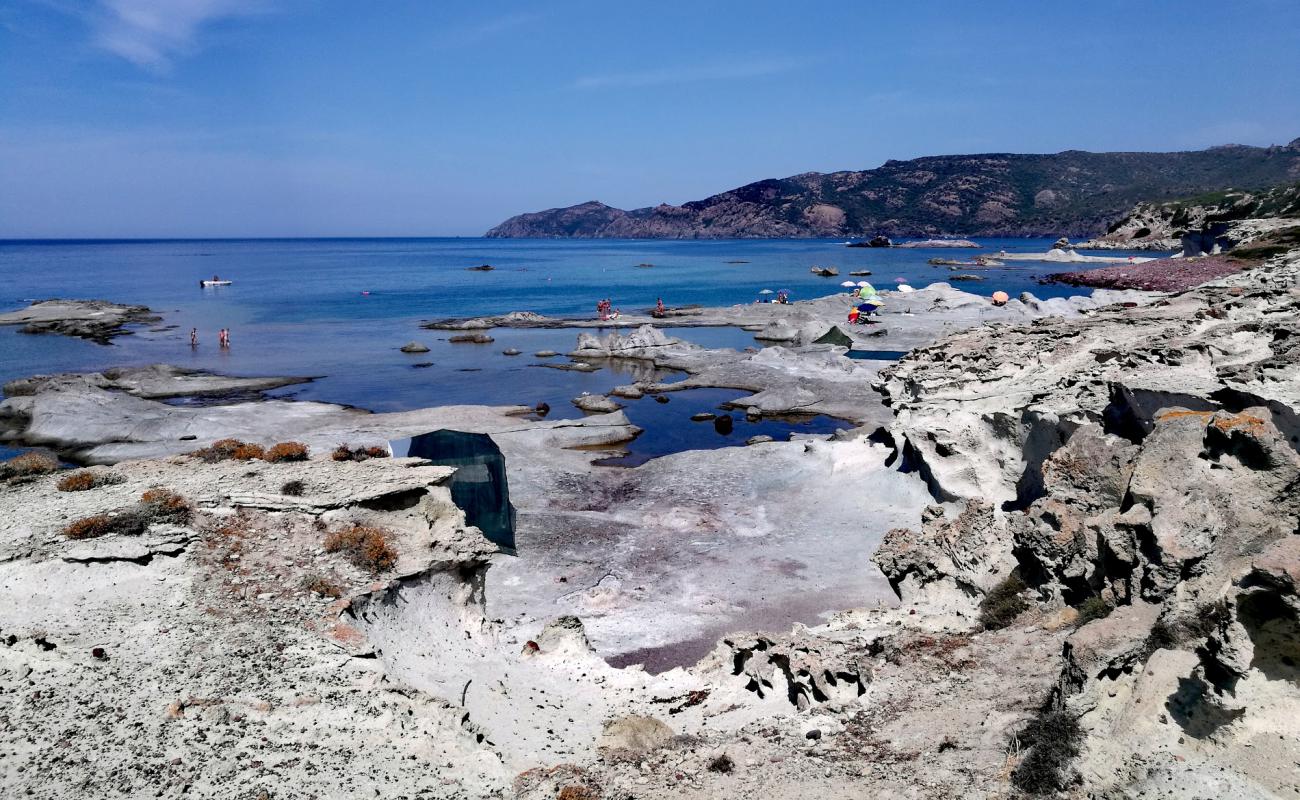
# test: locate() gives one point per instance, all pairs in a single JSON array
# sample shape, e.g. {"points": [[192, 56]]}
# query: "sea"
{"points": [[338, 310]]}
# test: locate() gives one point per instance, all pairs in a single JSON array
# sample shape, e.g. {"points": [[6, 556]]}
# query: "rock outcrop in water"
{"points": [[97, 320], [995, 194]]}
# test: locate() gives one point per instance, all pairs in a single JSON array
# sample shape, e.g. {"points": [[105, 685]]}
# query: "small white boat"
{"points": [[215, 283]]}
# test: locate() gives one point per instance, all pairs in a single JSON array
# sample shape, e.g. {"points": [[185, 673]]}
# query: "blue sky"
{"points": [[128, 118]]}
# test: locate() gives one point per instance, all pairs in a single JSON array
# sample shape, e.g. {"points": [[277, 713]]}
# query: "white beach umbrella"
{"points": [[848, 283], [767, 291], [863, 283]]}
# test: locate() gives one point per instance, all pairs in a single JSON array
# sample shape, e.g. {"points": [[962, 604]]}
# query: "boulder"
{"points": [[596, 404], [414, 347], [951, 563], [633, 736], [777, 331]]}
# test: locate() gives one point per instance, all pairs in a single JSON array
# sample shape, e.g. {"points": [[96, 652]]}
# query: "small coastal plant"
{"points": [[164, 506], [1093, 608], [249, 452], [345, 453], [84, 480], [1003, 604], [92, 527], [315, 582], [28, 465], [365, 546], [1053, 739], [287, 451], [220, 450], [293, 488]]}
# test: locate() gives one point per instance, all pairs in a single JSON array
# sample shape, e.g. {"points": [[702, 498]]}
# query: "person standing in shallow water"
{"points": [[194, 337]]}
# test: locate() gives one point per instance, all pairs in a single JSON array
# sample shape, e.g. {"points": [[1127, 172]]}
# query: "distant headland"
{"points": [[1073, 193]]}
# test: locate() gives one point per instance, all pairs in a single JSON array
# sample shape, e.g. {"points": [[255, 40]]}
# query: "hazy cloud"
{"points": [[475, 34], [732, 70], [150, 33]]}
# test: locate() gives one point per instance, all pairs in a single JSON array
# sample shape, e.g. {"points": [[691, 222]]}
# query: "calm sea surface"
{"points": [[297, 307]]}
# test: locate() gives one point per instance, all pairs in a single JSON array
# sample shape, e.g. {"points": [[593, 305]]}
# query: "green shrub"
{"points": [[1003, 604], [1093, 608], [1053, 739]]}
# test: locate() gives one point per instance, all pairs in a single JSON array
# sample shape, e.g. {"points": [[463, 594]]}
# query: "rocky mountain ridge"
{"points": [[1074, 193]]}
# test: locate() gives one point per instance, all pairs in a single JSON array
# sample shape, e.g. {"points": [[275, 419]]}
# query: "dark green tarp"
{"points": [[834, 336], [479, 485]]}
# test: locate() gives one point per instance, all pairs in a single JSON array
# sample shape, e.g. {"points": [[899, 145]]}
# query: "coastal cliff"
{"points": [[1074, 193], [1162, 226]]}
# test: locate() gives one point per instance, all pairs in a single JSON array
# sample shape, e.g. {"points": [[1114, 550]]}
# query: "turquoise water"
{"points": [[297, 306]]}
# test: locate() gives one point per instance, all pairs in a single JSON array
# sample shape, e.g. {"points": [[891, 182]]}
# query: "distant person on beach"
{"points": [[659, 307], [223, 339], [194, 337]]}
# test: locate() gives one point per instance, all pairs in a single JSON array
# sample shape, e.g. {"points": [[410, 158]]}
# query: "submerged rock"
{"points": [[414, 347]]}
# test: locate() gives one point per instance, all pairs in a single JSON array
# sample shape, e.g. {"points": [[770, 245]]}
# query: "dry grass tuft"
{"points": [[93, 527], [365, 546], [345, 453], [28, 465], [287, 451], [84, 480], [321, 585], [220, 450], [249, 452], [164, 505]]}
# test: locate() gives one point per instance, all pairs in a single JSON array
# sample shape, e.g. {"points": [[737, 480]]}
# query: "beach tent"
{"points": [[478, 486], [834, 336]]}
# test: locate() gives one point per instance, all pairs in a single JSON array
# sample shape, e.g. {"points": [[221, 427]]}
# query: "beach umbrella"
{"points": [[767, 291], [848, 283], [1000, 297], [864, 283]]}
